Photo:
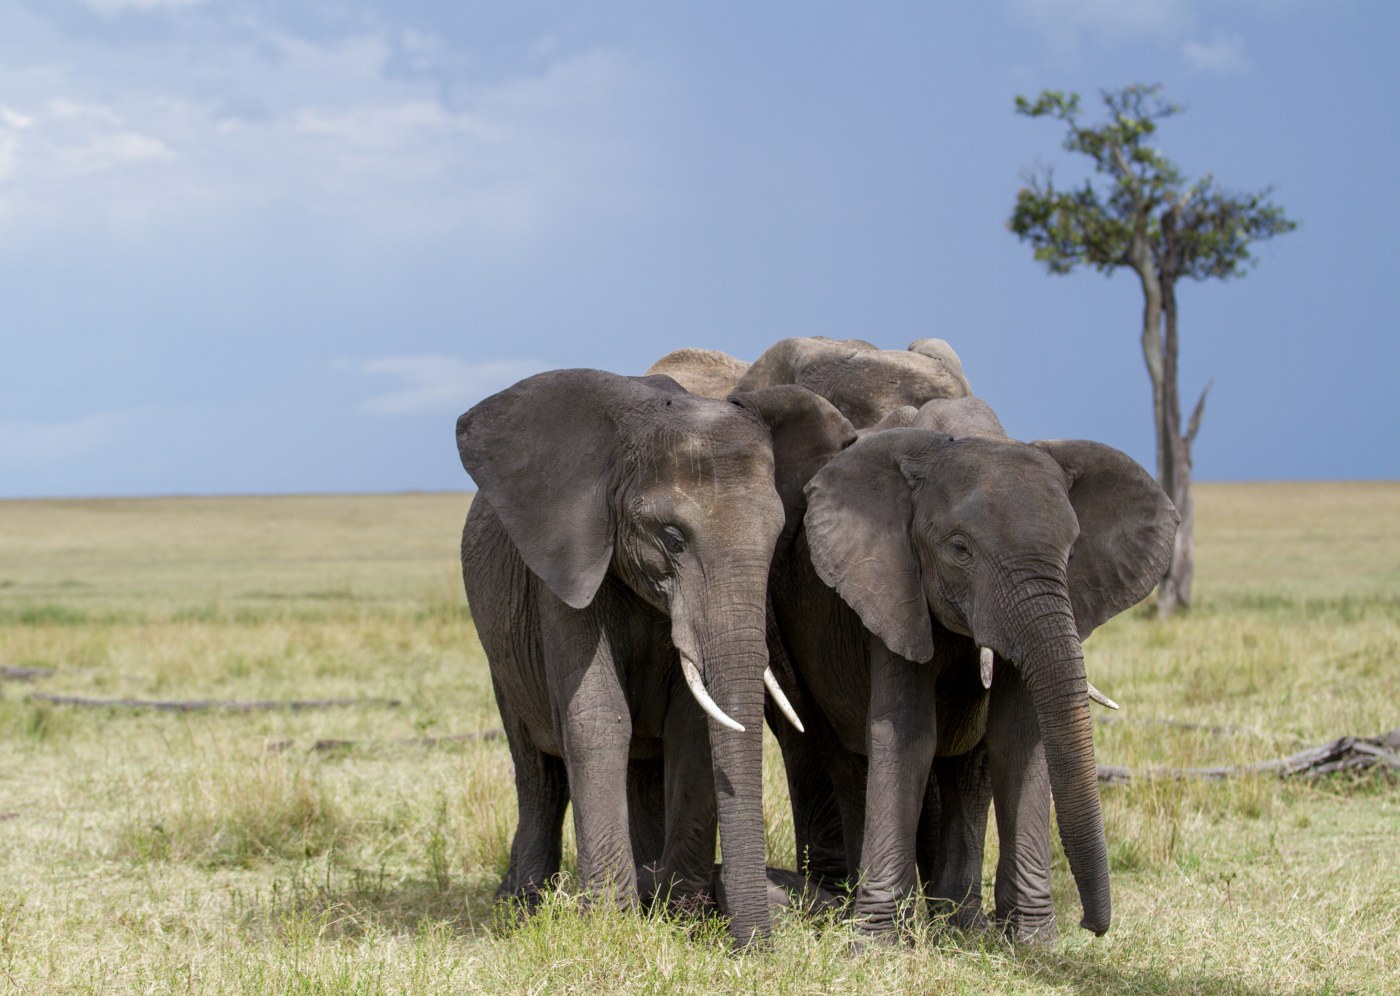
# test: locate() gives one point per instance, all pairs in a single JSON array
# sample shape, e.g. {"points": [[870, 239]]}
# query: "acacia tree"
{"points": [[1139, 212]]}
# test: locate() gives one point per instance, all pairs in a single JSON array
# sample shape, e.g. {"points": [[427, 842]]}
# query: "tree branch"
{"points": [[1193, 426]]}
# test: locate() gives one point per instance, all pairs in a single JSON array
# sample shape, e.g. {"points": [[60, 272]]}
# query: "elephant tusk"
{"points": [[1100, 697], [985, 657], [697, 688], [770, 681]]}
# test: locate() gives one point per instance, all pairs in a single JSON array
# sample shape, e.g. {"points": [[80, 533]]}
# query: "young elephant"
{"points": [[917, 550], [616, 559]]}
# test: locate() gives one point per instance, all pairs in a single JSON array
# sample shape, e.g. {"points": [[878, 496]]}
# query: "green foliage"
{"points": [[1141, 210]]}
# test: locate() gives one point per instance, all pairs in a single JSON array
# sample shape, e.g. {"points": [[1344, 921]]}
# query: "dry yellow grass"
{"points": [[219, 852]]}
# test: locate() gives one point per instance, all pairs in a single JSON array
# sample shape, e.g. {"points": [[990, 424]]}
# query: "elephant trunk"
{"points": [[732, 656], [1045, 644]]}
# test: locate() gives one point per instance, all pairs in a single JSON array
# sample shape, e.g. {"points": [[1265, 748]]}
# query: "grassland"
{"points": [[227, 851]]}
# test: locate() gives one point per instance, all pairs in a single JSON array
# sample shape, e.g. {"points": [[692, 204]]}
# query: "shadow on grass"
{"points": [[1053, 967], [336, 904], [1063, 970]]}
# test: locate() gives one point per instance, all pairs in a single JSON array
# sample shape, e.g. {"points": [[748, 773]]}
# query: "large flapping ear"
{"points": [[859, 512], [542, 452], [807, 431], [1127, 525]]}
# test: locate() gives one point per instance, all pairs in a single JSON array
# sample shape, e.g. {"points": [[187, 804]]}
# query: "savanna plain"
{"points": [[351, 844]]}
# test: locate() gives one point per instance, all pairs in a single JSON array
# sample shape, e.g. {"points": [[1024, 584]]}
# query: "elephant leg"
{"points": [[541, 794], [950, 857], [1021, 792], [848, 779], [646, 817], [594, 722], [816, 813], [688, 857], [900, 741]]}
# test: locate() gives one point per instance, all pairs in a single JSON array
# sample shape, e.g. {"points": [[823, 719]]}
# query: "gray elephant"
{"points": [[615, 560], [919, 559], [863, 381]]}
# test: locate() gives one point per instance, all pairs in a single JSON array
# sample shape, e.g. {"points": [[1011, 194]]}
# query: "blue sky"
{"points": [[262, 246]]}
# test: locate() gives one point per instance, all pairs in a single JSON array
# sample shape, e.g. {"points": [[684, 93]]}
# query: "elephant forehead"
{"points": [[1002, 485], [720, 453]]}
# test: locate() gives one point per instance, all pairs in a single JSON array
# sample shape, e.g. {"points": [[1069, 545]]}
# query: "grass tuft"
{"points": [[236, 813]]}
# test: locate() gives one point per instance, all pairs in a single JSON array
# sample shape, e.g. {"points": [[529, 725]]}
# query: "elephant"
{"points": [[863, 381], [706, 372], [911, 562], [615, 560]]}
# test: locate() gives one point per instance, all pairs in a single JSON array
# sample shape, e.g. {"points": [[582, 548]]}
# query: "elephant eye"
{"points": [[673, 539], [960, 549]]}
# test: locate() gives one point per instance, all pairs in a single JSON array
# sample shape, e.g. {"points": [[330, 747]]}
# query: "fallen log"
{"points": [[330, 744], [1342, 754], [1178, 724], [14, 673], [204, 705]]}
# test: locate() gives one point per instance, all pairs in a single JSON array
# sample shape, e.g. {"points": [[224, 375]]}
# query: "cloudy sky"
{"points": [[269, 246]]}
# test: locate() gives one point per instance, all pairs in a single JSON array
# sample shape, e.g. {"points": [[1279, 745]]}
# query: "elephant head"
{"points": [[706, 372], [1023, 549], [865, 383], [603, 480]]}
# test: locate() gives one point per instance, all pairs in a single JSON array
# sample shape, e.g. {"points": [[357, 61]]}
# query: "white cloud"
{"points": [[331, 134], [1065, 22], [1222, 55], [441, 384], [34, 443], [110, 7], [62, 141]]}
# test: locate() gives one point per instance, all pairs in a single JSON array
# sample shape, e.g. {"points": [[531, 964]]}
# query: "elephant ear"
{"points": [[807, 432], [859, 514], [1127, 525], [542, 452]]}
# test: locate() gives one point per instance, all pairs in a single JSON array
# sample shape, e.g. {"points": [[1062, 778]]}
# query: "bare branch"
{"points": [[1193, 426]]}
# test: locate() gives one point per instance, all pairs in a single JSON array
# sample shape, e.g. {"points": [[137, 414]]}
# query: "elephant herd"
{"points": [[838, 538]]}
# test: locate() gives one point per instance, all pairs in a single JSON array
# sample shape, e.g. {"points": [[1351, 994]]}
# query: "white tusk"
{"points": [[985, 659], [770, 681], [1099, 696], [697, 688]]}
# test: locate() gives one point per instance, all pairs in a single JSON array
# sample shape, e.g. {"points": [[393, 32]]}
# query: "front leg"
{"points": [[952, 834], [688, 857], [1021, 792], [594, 725], [900, 740]]}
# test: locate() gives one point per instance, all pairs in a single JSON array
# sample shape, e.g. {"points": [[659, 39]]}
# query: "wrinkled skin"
{"points": [[863, 381], [621, 526], [913, 550]]}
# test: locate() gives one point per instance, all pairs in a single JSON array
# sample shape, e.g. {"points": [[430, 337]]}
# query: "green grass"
{"points": [[222, 852]]}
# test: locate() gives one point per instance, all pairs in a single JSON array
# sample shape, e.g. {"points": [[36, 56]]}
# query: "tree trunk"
{"points": [[1152, 352], [1174, 446]]}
